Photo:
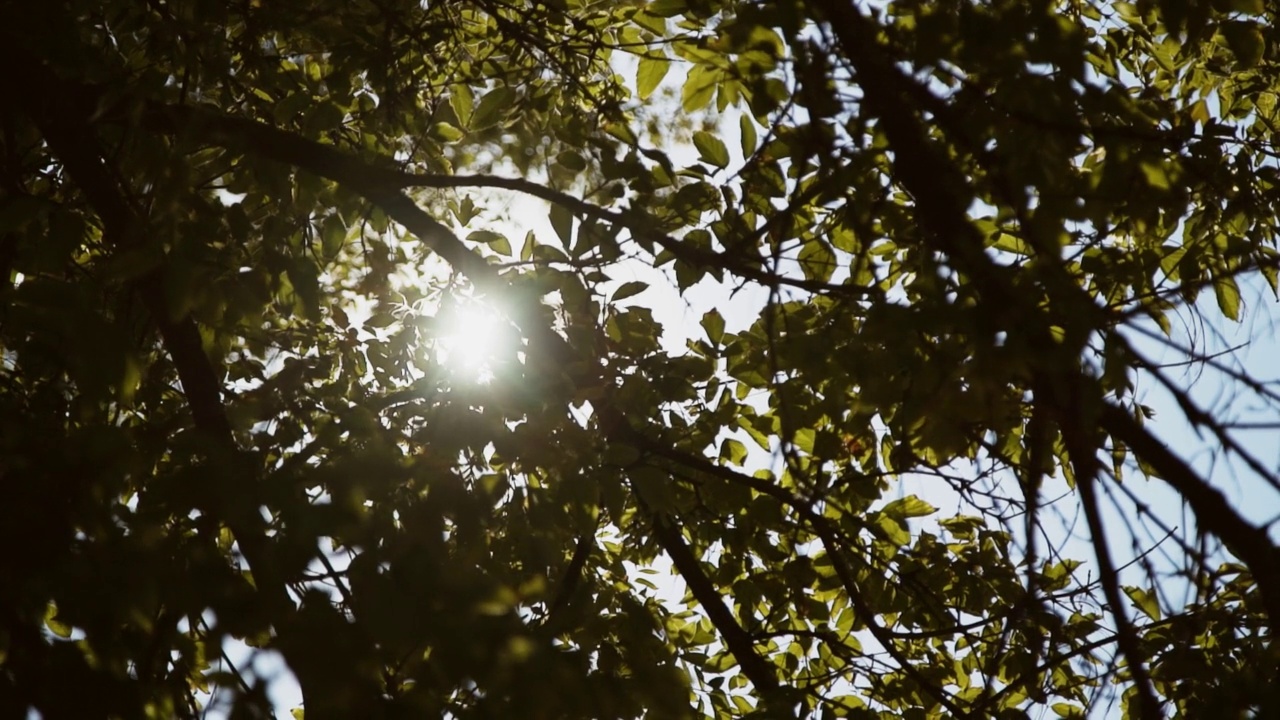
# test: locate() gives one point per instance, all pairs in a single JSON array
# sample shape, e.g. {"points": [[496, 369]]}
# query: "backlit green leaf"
{"points": [[649, 75], [711, 149]]}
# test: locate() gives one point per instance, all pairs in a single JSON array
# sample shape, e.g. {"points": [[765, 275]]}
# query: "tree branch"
{"points": [[381, 188], [570, 578], [939, 190], [69, 137], [1084, 458], [1247, 542], [822, 528], [372, 181], [670, 536]]}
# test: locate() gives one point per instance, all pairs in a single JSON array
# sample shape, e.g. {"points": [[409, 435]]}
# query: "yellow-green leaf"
{"points": [[491, 107], [332, 234], [497, 241], [444, 132], [747, 134], [649, 75], [462, 100], [629, 289], [562, 223], [713, 323], [699, 88], [1145, 601], [1248, 7], [1228, 295], [711, 149], [908, 507]]}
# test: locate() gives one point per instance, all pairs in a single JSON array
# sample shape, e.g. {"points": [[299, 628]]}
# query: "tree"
{"points": [[233, 233]]}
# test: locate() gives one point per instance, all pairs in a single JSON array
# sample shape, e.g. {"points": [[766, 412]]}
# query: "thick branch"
{"points": [[939, 188], [1084, 458], [822, 527], [69, 138], [570, 578], [736, 639], [371, 180], [1213, 513]]}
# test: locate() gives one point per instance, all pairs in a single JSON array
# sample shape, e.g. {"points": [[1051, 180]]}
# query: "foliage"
{"points": [[232, 233]]}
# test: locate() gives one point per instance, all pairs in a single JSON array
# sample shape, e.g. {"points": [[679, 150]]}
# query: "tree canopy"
{"points": [[951, 245]]}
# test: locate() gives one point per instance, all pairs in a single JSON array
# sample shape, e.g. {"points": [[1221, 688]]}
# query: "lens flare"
{"points": [[473, 339]]}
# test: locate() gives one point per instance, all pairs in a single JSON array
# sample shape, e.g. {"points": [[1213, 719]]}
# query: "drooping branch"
{"points": [[640, 225], [280, 145], [373, 180]]}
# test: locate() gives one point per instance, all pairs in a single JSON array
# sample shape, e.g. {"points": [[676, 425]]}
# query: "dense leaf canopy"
{"points": [[950, 245]]}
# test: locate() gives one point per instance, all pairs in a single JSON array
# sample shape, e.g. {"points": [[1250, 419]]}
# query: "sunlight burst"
{"points": [[472, 340]]}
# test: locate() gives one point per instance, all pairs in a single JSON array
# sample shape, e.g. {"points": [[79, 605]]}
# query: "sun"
{"points": [[474, 338]]}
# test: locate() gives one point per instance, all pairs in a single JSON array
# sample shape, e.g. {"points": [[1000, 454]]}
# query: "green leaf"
{"points": [[892, 529], [465, 211], [1147, 602], [699, 88], [55, 624], [562, 223], [711, 149], [1157, 175], [526, 250], [496, 241], [733, 451], [444, 132], [747, 135], [1248, 7], [462, 101], [1011, 243], [909, 507], [306, 288], [649, 75], [655, 487], [805, 439], [817, 260], [962, 526], [1067, 710], [713, 324], [333, 234], [571, 160], [622, 455], [1228, 295], [1272, 276], [493, 106], [629, 289], [666, 8]]}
